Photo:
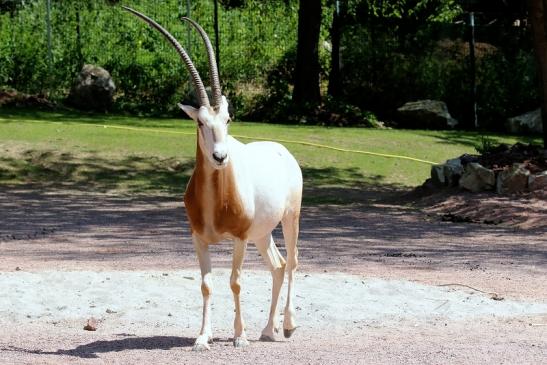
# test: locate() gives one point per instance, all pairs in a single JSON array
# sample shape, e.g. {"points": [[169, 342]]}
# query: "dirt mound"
{"points": [[522, 210], [503, 156], [12, 98]]}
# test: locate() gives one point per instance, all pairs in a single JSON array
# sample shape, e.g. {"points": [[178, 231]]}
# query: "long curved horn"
{"points": [[198, 84], [213, 70]]}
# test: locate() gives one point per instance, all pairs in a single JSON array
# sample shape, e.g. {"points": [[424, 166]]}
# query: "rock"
{"points": [[437, 175], [447, 174], [453, 170], [91, 324], [477, 178], [465, 159], [430, 114], [538, 181], [530, 122], [93, 90], [512, 180]]}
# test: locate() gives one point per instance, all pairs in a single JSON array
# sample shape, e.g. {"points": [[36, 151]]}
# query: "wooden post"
{"points": [[473, 69]]}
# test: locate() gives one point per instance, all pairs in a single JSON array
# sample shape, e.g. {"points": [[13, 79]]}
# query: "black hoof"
{"points": [[265, 338], [288, 333]]}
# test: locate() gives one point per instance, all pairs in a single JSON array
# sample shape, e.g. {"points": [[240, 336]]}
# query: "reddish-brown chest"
{"points": [[213, 204]]}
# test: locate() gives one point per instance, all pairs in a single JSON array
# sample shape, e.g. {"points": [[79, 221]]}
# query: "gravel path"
{"points": [[377, 284]]}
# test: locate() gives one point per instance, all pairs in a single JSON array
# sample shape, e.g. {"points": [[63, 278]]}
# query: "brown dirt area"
{"points": [[69, 231]]}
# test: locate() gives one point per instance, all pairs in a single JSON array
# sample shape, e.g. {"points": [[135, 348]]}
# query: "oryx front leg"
{"points": [[206, 334], [276, 263], [240, 338]]}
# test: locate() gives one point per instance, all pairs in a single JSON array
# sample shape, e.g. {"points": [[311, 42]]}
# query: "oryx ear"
{"points": [[190, 111]]}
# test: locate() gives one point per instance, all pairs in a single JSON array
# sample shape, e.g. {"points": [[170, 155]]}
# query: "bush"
{"points": [[148, 74]]}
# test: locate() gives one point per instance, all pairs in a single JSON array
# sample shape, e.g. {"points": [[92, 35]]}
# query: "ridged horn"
{"points": [[213, 70], [198, 84]]}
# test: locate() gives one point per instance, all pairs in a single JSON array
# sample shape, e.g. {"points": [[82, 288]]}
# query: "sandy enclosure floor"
{"points": [[372, 286]]}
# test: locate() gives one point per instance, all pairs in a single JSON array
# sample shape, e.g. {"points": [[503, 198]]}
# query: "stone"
{"points": [[538, 181], [465, 158], [429, 114], [512, 180], [530, 122], [477, 178], [447, 174], [453, 170], [91, 324], [93, 90], [437, 175]]}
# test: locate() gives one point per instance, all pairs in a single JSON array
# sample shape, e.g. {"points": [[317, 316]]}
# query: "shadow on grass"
{"points": [[18, 115], [134, 174], [473, 139], [138, 174], [333, 185]]}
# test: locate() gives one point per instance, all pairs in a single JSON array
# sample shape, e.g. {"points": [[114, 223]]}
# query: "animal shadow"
{"points": [[90, 350]]}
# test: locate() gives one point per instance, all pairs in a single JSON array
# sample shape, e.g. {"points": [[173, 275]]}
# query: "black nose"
{"points": [[218, 157]]}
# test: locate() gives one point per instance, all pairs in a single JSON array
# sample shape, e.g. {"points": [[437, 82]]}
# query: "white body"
{"points": [[269, 182], [242, 192]]}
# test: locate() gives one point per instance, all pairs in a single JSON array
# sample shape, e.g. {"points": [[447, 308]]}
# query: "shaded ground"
{"points": [[44, 230]]}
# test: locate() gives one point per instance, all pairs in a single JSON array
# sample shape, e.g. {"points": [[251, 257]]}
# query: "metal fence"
{"points": [[44, 43], [384, 62]]}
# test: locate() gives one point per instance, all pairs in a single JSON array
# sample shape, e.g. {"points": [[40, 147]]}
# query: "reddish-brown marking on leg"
{"points": [[205, 290], [236, 288]]}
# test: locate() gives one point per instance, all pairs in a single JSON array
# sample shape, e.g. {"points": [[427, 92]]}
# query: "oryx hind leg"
{"points": [[290, 232], [276, 263]]}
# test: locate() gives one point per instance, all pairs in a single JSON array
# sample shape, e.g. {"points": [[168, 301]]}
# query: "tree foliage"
{"points": [[10, 6], [391, 52]]}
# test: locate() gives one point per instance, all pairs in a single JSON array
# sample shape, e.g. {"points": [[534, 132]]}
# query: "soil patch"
{"points": [[503, 156], [371, 276]]}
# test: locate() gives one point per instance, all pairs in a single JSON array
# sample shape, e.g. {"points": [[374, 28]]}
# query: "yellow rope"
{"points": [[304, 143], [338, 149]]}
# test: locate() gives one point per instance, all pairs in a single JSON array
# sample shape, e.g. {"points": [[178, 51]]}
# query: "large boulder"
{"points": [[477, 178], [93, 89], [429, 114], [512, 180], [530, 122]]}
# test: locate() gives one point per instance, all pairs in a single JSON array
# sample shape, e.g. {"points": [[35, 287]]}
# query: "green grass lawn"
{"points": [[157, 156]]}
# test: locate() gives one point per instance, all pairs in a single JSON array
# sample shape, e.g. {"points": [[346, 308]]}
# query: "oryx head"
{"points": [[212, 120]]}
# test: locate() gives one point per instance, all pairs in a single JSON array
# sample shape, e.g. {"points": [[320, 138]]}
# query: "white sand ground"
{"points": [[121, 300]]}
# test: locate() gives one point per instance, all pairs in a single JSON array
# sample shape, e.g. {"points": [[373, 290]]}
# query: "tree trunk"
{"points": [[335, 81], [537, 10], [306, 79]]}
